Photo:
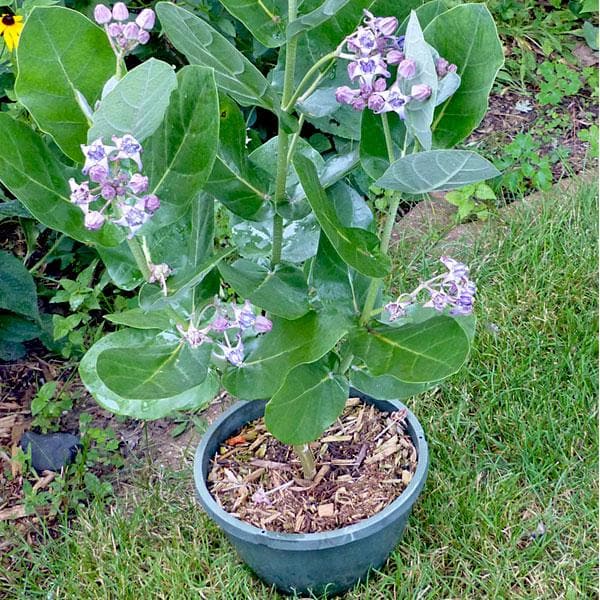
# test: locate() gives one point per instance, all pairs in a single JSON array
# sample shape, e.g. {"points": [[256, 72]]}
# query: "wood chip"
{"points": [[326, 510]]}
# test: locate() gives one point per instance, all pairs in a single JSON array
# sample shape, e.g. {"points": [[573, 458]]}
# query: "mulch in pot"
{"points": [[364, 461]]}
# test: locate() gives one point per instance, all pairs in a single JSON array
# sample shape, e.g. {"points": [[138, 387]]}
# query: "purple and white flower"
{"points": [[452, 290], [125, 34]]}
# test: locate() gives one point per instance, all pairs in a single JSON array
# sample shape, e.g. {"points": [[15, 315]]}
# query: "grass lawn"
{"points": [[510, 507]]}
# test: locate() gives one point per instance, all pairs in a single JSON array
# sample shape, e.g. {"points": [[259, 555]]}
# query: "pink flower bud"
{"points": [[386, 25], [376, 103], [98, 173], [115, 30], [262, 324], [407, 68], [108, 192], [120, 12], [146, 19], [151, 203], [131, 31], [138, 183], [345, 95], [143, 37], [394, 57], [94, 220], [420, 92], [102, 14]]}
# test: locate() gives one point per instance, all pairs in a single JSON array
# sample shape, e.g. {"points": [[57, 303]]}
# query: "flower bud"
{"points": [[359, 104], [98, 173], [394, 57], [220, 323], [115, 30], [107, 191], [407, 68], [420, 92], [376, 103], [94, 220], [386, 25], [120, 12], [143, 37], [146, 19], [262, 324], [151, 203], [345, 95], [102, 14], [379, 85], [131, 31], [441, 66], [138, 183]]}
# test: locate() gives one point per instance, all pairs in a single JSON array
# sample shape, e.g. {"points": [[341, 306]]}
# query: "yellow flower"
{"points": [[11, 27]]}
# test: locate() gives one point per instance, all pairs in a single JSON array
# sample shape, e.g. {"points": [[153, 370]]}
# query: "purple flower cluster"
{"points": [[452, 289], [374, 48], [119, 194], [124, 34], [227, 317]]}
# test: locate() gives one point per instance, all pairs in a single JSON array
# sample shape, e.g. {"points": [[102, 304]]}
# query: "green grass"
{"points": [[513, 442]]}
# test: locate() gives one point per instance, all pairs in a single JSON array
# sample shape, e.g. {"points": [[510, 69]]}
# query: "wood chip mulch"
{"points": [[364, 462]]}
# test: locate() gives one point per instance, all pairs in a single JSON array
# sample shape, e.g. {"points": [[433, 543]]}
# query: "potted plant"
{"points": [[287, 309]]}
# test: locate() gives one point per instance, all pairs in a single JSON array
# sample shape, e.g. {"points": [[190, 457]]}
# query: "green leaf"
{"points": [[310, 400], [415, 353], [264, 19], [154, 370], [137, 104], [14, 329], [466, 36], [235, 181], [60, 53], [203, 45], [139, 319], [34, 175], [427, 12], [13, 208], [290, 343], [314, 18], [419, 115], [140, 408], [281, 291], [359, 248], [436, 170], [385, 387], [180, 155], [17, 288], [331, 280]]}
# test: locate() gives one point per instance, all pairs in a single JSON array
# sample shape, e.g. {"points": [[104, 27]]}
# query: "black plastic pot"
{"points": [[329, 562]]}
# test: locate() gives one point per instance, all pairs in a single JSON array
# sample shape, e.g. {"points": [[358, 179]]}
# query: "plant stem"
{"points": [[307, 460], [387, 228], [140, 259], [324, 59], [283, 139], [42, 260]]}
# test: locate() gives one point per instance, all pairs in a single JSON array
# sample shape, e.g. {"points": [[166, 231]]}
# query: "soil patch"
{"points": [[364, 462]]}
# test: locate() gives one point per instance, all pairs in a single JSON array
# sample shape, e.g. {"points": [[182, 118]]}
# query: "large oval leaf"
{"points": [[310, 400], [265, 19], [203, 45], [414, 353], [60, 53], [153, 370], [235, 181], [436, 170], [34, 175], [180, 155], [385, 387], [359, 248], [281, 291], [419, 115], [466, 36], [156, 408], [290, 343], [17, 288], [137, 104]]}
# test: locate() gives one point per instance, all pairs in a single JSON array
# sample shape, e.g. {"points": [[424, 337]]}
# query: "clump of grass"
{"points": [[510, 506]]}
